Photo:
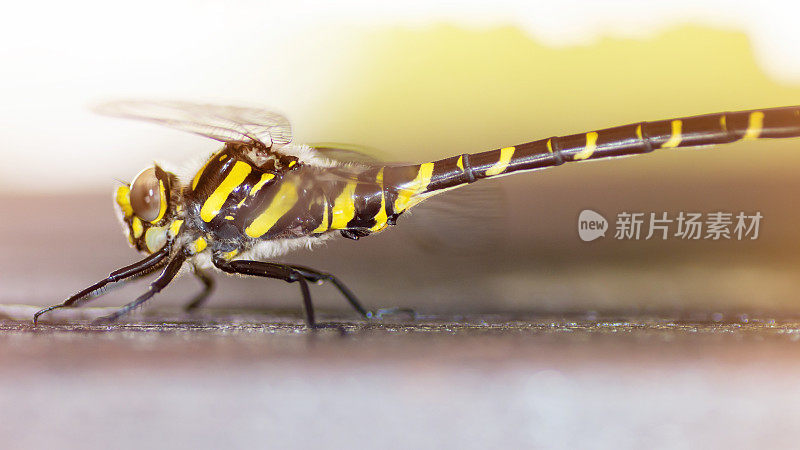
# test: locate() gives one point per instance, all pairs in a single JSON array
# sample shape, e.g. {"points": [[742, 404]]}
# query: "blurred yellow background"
{"points": [[443, 89]]}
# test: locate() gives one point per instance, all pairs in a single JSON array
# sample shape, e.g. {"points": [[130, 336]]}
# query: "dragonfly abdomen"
{"points": [[639, 138], [420, 181]]}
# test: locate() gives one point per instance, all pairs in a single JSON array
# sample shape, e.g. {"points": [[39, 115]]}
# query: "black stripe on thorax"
{"points": [[213, 172]]}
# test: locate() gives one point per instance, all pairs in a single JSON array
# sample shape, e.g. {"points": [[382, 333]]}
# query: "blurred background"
{"points": [[417, 81]]}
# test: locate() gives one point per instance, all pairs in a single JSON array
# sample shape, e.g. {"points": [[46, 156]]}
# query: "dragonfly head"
{"points": [[148, 208]]}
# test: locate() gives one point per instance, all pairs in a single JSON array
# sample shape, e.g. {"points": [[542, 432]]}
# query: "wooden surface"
{"points": [[236, 380]]}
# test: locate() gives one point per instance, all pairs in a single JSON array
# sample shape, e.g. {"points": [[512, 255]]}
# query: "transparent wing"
{"points": [[353, 161], [465, 221], [223, 123], [348, 153]]}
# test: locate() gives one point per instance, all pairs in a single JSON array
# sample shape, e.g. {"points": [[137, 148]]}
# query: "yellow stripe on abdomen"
{"points": [[591, 146], [413, 187], [502, 164], [214, 203], [676, 137], [381, 219], [755, 124], [284, 200]]}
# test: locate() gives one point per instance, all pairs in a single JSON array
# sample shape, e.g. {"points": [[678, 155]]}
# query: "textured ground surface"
{"points": [[241, 380]]}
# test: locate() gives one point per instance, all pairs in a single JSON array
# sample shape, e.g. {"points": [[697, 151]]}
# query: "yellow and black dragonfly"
{"points": [[261, 195]]}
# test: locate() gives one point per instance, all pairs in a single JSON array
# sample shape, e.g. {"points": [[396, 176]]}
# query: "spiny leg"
{"points": [[314, 276], [273, 270], [121, 276], [172, 269], [208, 288]]}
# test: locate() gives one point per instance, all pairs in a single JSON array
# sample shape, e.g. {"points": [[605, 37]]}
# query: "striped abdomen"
{"points": [[414, 183]]}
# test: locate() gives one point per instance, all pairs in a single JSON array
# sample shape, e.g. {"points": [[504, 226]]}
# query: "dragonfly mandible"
{"points": [[261, 195]]}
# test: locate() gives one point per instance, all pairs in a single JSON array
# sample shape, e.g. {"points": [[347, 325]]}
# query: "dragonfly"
{"points": [[261, 195]]}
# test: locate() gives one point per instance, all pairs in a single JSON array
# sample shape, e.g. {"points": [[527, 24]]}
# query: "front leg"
{"points": [[166, 276], [117, 277]]}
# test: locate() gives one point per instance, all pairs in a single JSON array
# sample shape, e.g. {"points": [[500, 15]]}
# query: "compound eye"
{"points": [[147, 196]]}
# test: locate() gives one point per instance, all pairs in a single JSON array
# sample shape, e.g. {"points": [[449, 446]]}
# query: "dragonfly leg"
{"points": [[277, 271], [208, 288], [119, 277], [314, 276], [167, 275]]}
